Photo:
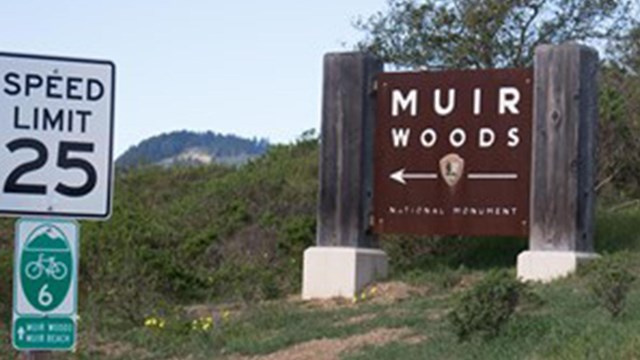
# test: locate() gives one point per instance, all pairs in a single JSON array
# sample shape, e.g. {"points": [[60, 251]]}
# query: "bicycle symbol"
{"points": [[49, 267]]}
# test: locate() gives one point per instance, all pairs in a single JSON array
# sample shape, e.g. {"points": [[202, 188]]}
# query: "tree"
{"points": [[618, 147], [435, 34], [628, 49], [487, 33]]}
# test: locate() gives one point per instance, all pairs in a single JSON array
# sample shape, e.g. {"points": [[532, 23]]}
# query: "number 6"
{"points": [[44, 297]]}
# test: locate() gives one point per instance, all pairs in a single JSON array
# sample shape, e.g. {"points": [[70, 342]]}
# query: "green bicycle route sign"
{"points": [[45, 284]]}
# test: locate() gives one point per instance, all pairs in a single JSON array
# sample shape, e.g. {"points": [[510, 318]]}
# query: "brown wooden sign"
{"points": [[453, 152]]}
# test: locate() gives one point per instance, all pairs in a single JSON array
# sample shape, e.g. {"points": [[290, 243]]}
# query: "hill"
{"points": [[193, 148]]}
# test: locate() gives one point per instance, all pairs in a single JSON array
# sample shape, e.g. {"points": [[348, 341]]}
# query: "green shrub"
{"points": [[487, 306], [610, 281], [297, 233], [410, 252], [190, 235], [6, 273], [618, 230]]}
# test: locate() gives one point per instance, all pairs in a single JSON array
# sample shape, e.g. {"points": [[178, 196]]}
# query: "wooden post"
{"points": [[346, 179], [565, 118], [37, 355], [346, 155]]}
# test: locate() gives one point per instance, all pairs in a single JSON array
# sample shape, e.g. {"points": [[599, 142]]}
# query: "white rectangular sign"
{"points": [[56, 136]]}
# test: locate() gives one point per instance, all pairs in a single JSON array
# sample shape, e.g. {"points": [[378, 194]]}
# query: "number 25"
{"points": [[64, 161]]}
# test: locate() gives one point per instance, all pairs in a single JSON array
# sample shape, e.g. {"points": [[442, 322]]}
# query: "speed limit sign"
{"points": [[56, 136]]}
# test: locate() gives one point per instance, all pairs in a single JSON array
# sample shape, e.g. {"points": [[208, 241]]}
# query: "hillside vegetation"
{"points": [[200, 249], [211, 243], [209, 233]]}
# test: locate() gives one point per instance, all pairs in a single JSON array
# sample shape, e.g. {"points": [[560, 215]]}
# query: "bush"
{"points": [[610, 282], [487, 306], [190, 235], [408, 252]]}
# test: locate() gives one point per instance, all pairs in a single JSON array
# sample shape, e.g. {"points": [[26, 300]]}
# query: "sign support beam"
{"points": [[563, 162], [37, 355], [344, 259]]}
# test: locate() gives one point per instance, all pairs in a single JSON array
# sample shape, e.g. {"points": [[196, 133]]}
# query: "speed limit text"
{"points": [[66, 89]]}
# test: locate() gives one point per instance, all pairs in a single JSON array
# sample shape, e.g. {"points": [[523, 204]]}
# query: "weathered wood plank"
{"points": [[563, 161], [346, 154]]}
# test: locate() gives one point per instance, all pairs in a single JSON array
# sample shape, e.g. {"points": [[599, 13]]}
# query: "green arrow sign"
{"points": [[31, 333], [45, 284]]}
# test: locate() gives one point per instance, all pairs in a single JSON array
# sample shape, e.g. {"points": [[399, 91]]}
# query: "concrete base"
{"points": [[546, 266], [340, 271]]}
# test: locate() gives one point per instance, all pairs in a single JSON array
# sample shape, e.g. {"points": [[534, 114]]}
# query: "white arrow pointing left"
{"points": [[402, 177]]}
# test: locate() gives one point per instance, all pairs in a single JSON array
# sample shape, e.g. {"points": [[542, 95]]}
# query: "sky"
{"points": [[251, 68]]}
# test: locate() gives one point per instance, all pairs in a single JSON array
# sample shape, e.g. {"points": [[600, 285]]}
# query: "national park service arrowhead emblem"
{"points": [[451, 168]]}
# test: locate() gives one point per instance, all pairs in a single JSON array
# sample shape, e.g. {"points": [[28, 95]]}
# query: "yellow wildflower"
{"points": [[154, 322], [149, 322]]}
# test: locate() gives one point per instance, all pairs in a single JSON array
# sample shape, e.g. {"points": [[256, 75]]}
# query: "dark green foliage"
{"points": [[618, 230], [435, 34], [221, 147], [298, 233], [210, 233], [414, 252], [618, 153], [487, 306], [628, 49], [610, 281], [486, 33], [6, 275]]}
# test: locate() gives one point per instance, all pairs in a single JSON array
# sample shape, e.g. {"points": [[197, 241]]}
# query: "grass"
{"points": [[568, 325], [562, 321], [566, 322]]}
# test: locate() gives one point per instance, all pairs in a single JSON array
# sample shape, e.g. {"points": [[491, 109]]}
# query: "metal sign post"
{"points": [[36, 355]]}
